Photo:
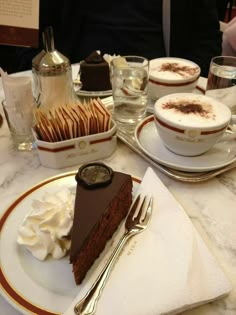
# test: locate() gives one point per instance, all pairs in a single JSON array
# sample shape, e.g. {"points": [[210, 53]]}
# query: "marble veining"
{"points": [[211, 206], [229, 181]]}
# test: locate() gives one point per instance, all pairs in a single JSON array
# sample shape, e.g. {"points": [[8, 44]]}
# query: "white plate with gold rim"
{"points": [[29, 285], [149, 141]]}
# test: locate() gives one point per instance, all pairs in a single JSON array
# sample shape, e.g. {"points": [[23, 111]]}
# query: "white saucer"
{"points": [[149, 141]]}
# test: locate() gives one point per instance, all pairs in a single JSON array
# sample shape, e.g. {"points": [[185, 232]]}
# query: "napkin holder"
{"points": [[77, 150]]}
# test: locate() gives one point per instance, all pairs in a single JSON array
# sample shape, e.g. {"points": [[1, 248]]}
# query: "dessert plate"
{"points": [[149, 141], [29, 285]]}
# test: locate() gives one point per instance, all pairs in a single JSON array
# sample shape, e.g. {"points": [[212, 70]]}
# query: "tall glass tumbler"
{"points": [[221, 83], [20, 121], [129, 78]]}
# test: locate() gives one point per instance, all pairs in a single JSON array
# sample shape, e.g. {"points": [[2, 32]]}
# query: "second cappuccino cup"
{"points": [[190, 124]]}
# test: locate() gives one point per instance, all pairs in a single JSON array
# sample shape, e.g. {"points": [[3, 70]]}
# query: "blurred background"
{"points": [[11, 60]]}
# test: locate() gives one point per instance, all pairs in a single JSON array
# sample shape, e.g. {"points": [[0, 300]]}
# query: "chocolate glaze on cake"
{"points": [[95, 73], [98, 212]]}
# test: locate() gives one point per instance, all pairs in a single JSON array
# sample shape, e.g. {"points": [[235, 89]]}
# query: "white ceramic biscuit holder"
{"points": [[76, 151]]}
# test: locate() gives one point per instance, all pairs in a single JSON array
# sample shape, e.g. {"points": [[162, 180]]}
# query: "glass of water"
{"points": [[129, 78], [221, 83], [20, 121]]}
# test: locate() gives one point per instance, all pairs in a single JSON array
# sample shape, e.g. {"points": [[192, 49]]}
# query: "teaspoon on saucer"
{"points": [[183, 176]]}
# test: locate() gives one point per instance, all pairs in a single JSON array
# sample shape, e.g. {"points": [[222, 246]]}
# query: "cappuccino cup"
{"points": [[190, 124], [169, 75]]}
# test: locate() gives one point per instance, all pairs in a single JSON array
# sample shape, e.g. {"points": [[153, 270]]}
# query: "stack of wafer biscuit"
{"points": [[71, 121]]}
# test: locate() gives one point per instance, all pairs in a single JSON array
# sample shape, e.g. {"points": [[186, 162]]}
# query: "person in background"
{"points": [[229, 39], [131, 27], [222, 8]]}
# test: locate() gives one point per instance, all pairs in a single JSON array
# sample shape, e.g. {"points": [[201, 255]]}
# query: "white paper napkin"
{"points": [[165, 269]]}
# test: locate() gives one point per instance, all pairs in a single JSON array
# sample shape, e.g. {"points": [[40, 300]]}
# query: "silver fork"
{"points": [[137, 220]]}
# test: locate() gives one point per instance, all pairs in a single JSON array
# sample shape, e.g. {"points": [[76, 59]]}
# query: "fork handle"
{"points": [[87, 305]]}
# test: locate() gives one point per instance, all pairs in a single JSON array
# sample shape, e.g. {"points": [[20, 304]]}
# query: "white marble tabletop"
{"points": [[211, 206]]}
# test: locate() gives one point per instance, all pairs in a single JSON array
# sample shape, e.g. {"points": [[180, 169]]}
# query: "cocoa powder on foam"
{"points": [[177, 68], [187, 108]]}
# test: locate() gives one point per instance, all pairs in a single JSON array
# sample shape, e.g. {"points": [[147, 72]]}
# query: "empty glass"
{"points": [[20, 120]]}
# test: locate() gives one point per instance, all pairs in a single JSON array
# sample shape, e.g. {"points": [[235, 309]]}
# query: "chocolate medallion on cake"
{"points": [[94, 175]]}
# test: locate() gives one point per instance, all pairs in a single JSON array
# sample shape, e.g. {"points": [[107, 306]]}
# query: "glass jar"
{"points": [[52, 76]]}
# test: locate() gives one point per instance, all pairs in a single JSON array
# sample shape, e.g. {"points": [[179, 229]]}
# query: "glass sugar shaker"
{"points": [[52, 75]]}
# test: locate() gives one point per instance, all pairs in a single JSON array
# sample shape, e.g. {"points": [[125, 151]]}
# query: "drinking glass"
{"points": [[129, 78], [20, 121], [221, 83]]}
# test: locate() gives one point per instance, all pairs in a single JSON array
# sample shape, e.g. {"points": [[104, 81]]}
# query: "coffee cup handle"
{"points": [[230, 133], [233, 120]]}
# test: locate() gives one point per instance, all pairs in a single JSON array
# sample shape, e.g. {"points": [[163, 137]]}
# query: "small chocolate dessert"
{"points": [[103, 199], [95, 73]]}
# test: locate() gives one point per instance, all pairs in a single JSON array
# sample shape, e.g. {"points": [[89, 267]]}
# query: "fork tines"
{"points": [[140, 210]]}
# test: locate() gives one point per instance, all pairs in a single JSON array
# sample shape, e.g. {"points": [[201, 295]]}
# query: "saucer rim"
{"points": [[175, 166]]}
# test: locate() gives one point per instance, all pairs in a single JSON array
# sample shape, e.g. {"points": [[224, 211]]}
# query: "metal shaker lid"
{"points": [[50, 61]]}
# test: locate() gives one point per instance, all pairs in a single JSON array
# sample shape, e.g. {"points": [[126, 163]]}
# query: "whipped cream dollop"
{"points": [[44, 231]]}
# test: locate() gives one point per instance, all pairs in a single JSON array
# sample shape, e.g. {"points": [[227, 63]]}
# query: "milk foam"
{"points": [[174, 108], [157, 72]]}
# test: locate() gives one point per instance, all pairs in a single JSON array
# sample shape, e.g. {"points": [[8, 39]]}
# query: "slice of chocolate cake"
{"points": [[103, 198], [95, 73]]}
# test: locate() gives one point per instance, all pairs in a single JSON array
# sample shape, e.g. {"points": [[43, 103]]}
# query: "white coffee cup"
{"points": [[190, 124], [169, 75]]}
